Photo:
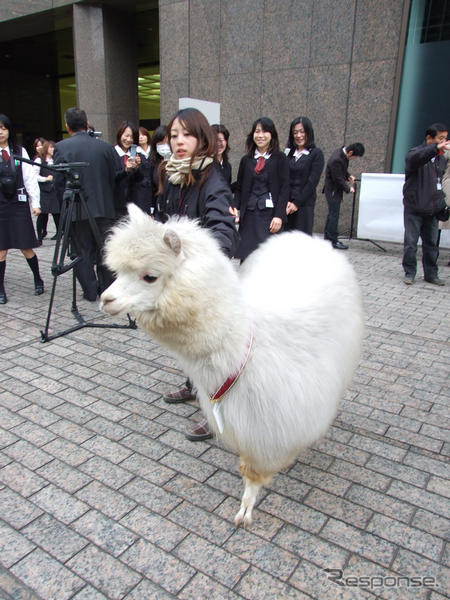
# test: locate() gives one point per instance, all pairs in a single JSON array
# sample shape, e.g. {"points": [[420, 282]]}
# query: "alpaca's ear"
{"points": [[173, 241], [135, 213]]}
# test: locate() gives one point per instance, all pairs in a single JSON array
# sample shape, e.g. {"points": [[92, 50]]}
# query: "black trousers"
{"points": [[85, 246], [334, 200], [425, 226]]}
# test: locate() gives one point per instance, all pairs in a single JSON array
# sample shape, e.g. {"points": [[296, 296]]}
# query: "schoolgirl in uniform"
{"points": [[262, 187], [306, 164], [17, 183]]}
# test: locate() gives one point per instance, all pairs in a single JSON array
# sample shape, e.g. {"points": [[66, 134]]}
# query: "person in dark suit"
{"points": [[306, 164], [262, 187], [97, 187], [337, 181]]}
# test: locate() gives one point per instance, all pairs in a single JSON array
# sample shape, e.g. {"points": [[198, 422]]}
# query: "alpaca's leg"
{"points": [[244, 515], [252, 484]]}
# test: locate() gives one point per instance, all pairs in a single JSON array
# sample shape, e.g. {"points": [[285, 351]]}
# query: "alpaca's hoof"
{"points": [[244, 517]]}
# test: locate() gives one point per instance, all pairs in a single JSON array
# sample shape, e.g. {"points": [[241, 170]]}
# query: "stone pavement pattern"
{"points": [[101, 496]]}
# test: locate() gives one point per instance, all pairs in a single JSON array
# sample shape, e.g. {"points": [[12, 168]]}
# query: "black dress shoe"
{"points": [[39, 289], [340, 246], [3, 298]]}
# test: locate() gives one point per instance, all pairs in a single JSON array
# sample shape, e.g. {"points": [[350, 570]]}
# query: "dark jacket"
{"points": [[278, 171], [209, 204], [420, 193], [142, 192], [97, 180], [336, 173], [304, 175]]}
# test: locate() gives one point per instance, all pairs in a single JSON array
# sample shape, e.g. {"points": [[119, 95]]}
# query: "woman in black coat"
{"points": [[222, 136], [17, 183], [160, 152], [306, 164], [262, 187], [49, 199], [193, 186], [142, 191], [128, 169]]}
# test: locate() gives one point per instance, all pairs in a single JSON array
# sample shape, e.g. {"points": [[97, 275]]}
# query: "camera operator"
{"points": [[97, 187]]}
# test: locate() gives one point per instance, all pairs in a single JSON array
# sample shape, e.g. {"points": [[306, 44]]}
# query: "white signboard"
{"points": [[380, 215], [211, 110]]}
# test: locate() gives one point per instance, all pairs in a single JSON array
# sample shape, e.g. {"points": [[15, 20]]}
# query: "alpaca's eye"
{"points": [[149, 278]]}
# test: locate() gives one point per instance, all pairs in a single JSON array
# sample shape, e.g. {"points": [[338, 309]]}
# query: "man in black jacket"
{"points": [[424, 167], [337, 181], [97, 187]]}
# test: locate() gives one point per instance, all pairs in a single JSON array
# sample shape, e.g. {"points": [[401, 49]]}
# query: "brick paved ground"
{"points": [[101, 496]]}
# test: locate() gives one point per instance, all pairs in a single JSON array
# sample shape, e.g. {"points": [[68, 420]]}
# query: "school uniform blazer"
{"points": [[278, 172], [305, 173]]}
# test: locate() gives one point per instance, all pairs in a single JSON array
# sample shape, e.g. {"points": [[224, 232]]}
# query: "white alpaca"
{"points": [[293, 313]]}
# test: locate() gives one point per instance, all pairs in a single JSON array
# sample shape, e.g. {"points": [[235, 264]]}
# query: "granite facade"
{"points": [[334, 62], [105, 67]]}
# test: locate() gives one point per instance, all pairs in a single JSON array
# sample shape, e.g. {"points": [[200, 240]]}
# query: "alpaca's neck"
{"points": [[209, 330]]}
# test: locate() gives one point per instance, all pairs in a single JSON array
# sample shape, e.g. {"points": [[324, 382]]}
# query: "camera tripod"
{"points": [[74, 206], [68, 243], [351, 232]]}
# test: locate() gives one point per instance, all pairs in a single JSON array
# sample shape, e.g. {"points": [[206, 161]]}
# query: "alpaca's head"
{"points": [[159, 268]]}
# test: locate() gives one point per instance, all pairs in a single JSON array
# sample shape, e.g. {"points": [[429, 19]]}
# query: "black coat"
{"points": [[209, 204], [49, 200], [304, 175], [336, 173], [142, 191], [420, 193], [278, 174], [97, 180]]}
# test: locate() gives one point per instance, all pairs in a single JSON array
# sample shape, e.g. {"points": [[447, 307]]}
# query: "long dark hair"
{"points": [[44, 151], [158, 136], [197, 125], [309, 131], [122, 128], [35, 143], [266, 125], [226, 134], [12, 137]]}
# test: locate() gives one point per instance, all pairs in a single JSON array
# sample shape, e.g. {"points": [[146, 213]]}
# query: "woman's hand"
{"points": [[49, 178], [275, 225], [291, 208], [36, 211], [235, 213], [133, 164]]}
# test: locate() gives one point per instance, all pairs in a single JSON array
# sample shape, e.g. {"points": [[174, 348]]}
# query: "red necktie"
{"points": [[260, 164], [125, 158], [5, 155]]}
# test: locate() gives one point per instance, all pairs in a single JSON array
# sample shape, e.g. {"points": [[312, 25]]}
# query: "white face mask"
{"points": [[164, 150]]}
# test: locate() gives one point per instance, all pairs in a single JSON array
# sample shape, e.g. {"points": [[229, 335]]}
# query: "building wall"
{"points": [[335, 62]]}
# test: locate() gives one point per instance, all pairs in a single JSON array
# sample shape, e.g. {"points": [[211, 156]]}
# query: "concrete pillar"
{"points": [[105, 66]]}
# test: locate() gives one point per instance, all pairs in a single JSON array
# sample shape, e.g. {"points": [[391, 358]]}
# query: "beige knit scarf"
{"points": [[177, 169]]}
